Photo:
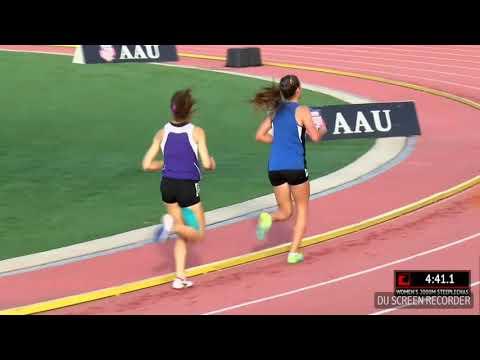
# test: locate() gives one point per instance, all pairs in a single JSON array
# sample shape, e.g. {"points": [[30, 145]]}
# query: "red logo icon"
{"points": [[403, 279]]}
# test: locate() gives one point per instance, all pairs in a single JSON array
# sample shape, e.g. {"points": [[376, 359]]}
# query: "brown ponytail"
{"points": [[270, 97], [182, 104]]}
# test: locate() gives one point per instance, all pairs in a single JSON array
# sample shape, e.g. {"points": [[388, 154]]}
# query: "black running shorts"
{"points": [[292, 177], [184, 192]]}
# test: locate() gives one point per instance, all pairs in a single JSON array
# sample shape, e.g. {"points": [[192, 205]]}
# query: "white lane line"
{"points": [[373, 53], [442, 48], [386, 311], [321, 49], [395, 75], [331, 62], [383, 48], [341, 278], [391, 74], [334, 53], [469, 49]]}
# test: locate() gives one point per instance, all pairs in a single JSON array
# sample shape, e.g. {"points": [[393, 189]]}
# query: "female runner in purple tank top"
{"points": [[181, 144]]}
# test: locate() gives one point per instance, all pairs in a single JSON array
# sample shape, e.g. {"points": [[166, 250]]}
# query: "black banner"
{"points": [[104, 54], [377, 120]]}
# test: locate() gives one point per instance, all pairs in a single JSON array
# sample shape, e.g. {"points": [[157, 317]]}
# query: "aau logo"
{"points": [[377, 120], [107, 52], [115, 54], [140, 52], [362, 124]]}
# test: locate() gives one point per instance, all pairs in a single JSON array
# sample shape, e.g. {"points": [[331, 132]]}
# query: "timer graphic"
{"points": [[414, 279]]}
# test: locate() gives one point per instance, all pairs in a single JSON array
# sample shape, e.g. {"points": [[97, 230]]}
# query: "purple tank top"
{"points": [[180, 153]]}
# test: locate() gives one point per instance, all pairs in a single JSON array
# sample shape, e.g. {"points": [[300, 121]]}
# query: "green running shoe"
{"points": [[295, 258], [264, 224]]}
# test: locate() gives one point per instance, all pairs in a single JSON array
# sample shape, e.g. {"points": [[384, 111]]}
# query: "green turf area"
{"points": [[72, 139]]}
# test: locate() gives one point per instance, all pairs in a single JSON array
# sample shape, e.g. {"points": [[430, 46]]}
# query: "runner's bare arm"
{"points": [[200, 137], [304, 117], [149, 163], [263, 134]]}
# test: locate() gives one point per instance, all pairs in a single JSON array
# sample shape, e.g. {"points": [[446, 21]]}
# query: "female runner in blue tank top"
{"points": [[180, 142], [287, 165]]}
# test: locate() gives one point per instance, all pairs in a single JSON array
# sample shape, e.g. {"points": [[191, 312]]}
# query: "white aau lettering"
{"points": [[125, 53], [153, 51], [139, 53], [341, 123], [378, 122], [361, 124]]}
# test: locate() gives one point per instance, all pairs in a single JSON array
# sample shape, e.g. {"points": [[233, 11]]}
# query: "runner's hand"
{"points": [[213, 164], [318, 121]]}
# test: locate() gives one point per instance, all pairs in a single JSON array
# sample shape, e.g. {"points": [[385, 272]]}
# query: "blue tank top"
{"points": [[288, 148], [180, 153]]}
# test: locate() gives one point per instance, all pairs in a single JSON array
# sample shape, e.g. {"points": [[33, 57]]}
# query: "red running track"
{"points": [[431, 168], [405, 237], [444, 68]]}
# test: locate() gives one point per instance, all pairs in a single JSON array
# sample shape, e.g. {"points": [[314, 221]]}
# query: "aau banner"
{"points": [[104, 54], [368, 120]]}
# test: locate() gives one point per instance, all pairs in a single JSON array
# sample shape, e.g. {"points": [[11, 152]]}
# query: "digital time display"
{"points": [[410, 279]]}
